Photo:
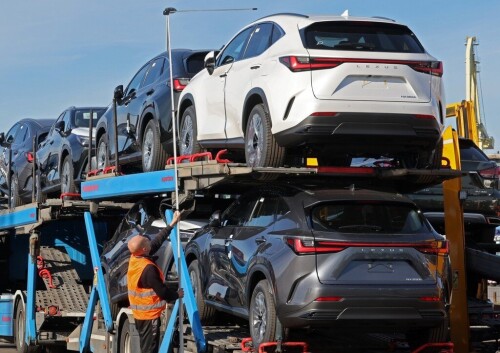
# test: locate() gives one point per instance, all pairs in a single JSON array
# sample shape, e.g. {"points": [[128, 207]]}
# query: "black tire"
{"points": [[188, 133], [125, 338], [436, 334], [262, 310], [41, 197], [437, 156], [20, 331], [154, 156], [15, 199], [102, 154], [207, 313], [67, 176], [261, 148]]}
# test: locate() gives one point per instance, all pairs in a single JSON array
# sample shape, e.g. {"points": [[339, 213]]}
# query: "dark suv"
{"points": [[312, 257], [63, 156], [144, 112], [20, 139], [482, 205]]}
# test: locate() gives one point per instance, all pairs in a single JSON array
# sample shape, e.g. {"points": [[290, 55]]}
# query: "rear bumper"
{"points": [[359, 131], [383, 313]]}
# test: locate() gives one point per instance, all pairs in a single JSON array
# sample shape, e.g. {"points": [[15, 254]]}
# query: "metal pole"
{"points": [[33, 184], [91, 126], [9, 177], [115, 127], [167, 12]]}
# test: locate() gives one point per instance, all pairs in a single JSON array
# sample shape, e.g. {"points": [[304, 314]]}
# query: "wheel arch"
{"points": [[254, 96], [258, 274], [148, 115], [187, 101]]}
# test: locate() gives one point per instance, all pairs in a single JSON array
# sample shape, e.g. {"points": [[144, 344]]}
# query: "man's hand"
{"points": [[175, 219], [181, 293]]}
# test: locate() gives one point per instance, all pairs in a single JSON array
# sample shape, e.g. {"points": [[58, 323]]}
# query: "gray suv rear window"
{"points": [[371, 217], [361, 36]]}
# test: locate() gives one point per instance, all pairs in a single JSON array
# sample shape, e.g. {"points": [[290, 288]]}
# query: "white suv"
{"points": [[335, 87]]}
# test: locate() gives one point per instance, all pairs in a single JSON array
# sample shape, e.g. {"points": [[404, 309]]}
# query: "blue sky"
{"points": [[58, 53]]}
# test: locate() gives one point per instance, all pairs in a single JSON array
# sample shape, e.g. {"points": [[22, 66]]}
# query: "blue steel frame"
{"points": [[19, 218], [30, 335], [189, 299], [129, 185], [98, 290]]}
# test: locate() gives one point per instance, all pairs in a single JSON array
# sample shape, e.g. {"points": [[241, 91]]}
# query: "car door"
{"points": [[212, 126], [239, 80], [219, 276], [247, 243], [4, 158], [128, 111]]}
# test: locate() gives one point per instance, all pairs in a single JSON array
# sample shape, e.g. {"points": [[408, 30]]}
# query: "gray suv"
{"points": [[307, 256]]}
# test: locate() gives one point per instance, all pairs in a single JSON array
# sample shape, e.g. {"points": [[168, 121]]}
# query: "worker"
{"points": [[147, 292]]}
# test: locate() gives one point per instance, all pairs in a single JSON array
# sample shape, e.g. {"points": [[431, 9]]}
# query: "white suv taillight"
{"points": [[304, 63]]}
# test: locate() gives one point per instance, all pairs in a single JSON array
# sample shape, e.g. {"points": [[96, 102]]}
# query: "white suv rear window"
{"points": [[362, 36]]}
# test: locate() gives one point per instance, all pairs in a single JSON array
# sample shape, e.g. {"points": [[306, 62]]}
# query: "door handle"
{"points": [[260, 240], [255, 67], [150, 92], [223, 75]]}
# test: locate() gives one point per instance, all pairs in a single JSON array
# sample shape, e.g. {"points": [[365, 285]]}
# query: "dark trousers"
{"points": [[149, 334]]}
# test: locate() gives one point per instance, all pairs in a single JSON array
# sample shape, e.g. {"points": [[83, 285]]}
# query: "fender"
{"points": [[269, 276], [246, 108], [187, 100], [150, 109]]}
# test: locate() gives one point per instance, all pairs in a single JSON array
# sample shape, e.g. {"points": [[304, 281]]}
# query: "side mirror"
{"points": [[118, 94], [215, 219], [210, 62], [59, 126], [2, 139]]}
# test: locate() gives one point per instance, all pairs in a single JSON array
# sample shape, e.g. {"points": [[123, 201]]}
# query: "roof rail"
{"points": [[384, 18], [284, 14]]}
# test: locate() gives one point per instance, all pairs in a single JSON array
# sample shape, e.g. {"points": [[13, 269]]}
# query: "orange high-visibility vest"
{"points": [[144, 302]]}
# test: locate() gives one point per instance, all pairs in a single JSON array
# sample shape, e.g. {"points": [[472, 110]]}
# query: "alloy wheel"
{"points": [[254, 143], [147, 149], [259, 321], [186, 137]]}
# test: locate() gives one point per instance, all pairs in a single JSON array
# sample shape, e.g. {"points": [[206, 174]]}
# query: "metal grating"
{"points": [[69, 295]]}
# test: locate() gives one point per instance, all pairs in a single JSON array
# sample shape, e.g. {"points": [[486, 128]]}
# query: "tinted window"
{"points": [[195, 63], [67, 120], [22, 134], [472, 153], [380, 37], [154, 72], [12, 133], [234, 49], [264, 212], [259, 41], [239, 213], [368, 218], [135, 84], [277, 33], [81, 117]]}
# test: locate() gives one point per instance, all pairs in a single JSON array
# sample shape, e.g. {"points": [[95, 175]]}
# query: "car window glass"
{"points": [[12, 133], [359, 36], [282, 208], [81, 117], [259, 41], [234, 49], [239, 213], [52, 129], [368, 218], [195, 63], [22, 134], [277, 34], [135, 84], [67, 120], [154, 72], [264, 212], [472, 153]]}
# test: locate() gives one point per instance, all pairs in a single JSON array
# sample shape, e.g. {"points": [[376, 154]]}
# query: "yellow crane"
{"points": [[467, 112]]}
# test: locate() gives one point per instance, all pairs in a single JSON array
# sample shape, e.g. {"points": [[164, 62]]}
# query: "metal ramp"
{"points": [[63, 288]]}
